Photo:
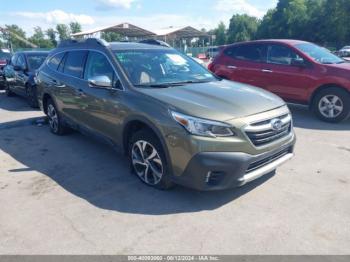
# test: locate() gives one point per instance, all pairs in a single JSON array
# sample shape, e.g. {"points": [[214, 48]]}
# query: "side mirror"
{"points": [[298, 62], [100, 81]]}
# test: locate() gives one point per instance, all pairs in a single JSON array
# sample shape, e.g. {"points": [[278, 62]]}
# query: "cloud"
{"points": [[239, 7], [107, 4], [57, 17]]}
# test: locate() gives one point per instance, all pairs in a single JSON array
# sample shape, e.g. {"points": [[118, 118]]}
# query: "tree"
{"points": [[111, 36], [13, 35], [220, 34], [38, 38], [63, 31], [242, 28], [75, 27], [51, 34]]}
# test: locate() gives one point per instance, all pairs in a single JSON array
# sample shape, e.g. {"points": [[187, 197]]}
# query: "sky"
{"points": [[149, 14]]}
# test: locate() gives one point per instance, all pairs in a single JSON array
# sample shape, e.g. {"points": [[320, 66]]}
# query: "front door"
{"points": [[284, 78]]}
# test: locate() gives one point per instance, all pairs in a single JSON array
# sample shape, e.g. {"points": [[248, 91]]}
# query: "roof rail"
{"points": [[87, 41], [154, 42]]}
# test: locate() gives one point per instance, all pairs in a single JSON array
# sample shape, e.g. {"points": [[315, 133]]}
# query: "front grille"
{"points": [[263, 162], [262, 133]]}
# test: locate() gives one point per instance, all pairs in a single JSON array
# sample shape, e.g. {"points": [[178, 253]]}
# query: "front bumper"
{"points": [[223, 170]]}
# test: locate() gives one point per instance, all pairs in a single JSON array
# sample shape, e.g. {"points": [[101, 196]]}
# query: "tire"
{"points": [[332, 105], [56, 124], [8, 90], [147, 160], [31, 96]]}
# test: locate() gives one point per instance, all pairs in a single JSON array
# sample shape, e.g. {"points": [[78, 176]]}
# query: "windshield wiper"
{"points": [[166, 85]]}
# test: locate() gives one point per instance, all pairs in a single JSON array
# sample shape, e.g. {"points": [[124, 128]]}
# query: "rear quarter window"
{"points": [[55, 61], [74, 64]]}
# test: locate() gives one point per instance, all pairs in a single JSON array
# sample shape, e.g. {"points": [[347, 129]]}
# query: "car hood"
{"points": [[218, 100], [345, 66]]}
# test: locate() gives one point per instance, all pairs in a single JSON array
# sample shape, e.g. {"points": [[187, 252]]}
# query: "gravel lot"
{"points": [[73, 195]]}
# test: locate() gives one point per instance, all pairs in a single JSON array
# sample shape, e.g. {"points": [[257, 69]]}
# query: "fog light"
{"points": [[214, 178]]}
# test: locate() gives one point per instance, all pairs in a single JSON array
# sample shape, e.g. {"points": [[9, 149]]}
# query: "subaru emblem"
{"points": [[276, 124]]}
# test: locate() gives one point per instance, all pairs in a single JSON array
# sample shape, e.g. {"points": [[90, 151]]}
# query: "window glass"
{"points": [[247, 52], [21, 62], [35, 60], [282, 55], [161, 66], [55, 61], [14, 60], [75, 63], [98, 65], [319, 54], [4, 55]]}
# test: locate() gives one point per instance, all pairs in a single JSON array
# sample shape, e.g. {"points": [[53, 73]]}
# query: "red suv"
{"points": [[298, 71]]}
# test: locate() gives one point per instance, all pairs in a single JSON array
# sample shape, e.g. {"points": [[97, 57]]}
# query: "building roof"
{"points": [[124, 29], [181, 32]]}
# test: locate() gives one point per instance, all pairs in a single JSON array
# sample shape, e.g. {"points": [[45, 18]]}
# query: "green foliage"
{"points": [[11, 37], [38, 38], [51, 34], [75, 27], [63, 31], [220, 34], [242, 28], [111, 36]]}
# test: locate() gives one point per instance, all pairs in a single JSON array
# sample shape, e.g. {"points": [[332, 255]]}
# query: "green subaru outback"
{"points": [[177, 122]]}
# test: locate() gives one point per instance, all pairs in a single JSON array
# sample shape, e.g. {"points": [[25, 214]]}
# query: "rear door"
{"points": [[282, 77], [69, 84], [20, 75], [243, 63]]}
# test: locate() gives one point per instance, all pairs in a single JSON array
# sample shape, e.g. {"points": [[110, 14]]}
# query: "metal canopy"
{"points": [[186, 32], [124, 29]]}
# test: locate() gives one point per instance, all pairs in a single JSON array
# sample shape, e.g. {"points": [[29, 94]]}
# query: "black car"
{"points": [[5, 56], [20, 74]]}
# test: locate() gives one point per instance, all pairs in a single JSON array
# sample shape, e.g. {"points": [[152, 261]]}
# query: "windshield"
{"points": [[161, 67], [35, 61], [319, 54], [5, 55]]}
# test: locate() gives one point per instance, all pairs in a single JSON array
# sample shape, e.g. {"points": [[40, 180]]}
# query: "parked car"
{"points": [[5, 56], [344, 52], [212, 52], [20, 74], [297, 71], [177, 122]]}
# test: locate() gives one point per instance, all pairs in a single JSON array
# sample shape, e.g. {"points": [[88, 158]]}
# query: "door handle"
{"points": [[267, 71], [57, 84], [232, 67]]}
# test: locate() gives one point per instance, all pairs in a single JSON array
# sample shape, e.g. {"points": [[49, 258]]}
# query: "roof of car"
{"points": [[133, 45], [33, 52], [284, 41]]}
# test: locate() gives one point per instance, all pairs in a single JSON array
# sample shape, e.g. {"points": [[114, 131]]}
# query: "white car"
{"points": [[345, 51]]}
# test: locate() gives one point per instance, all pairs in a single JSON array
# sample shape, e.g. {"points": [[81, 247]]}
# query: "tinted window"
{"points": [[55, 61], [21, 61], [98, 65], [35, 60], [4, 55], [14, 59], [246, 52], [282, 55], [75, 63]]}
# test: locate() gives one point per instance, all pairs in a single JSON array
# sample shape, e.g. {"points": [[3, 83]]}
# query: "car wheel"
{"points": [[332, 105], [57, 127], [31, 96], [148, 161], [8, 90]]}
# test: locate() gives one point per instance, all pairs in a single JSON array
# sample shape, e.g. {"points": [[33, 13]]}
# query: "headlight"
{"points": [[203, 127]]}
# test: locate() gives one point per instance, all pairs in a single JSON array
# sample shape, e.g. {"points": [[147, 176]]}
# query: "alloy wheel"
{"points": [[331, 106], [146, 162], [53, 118]]}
